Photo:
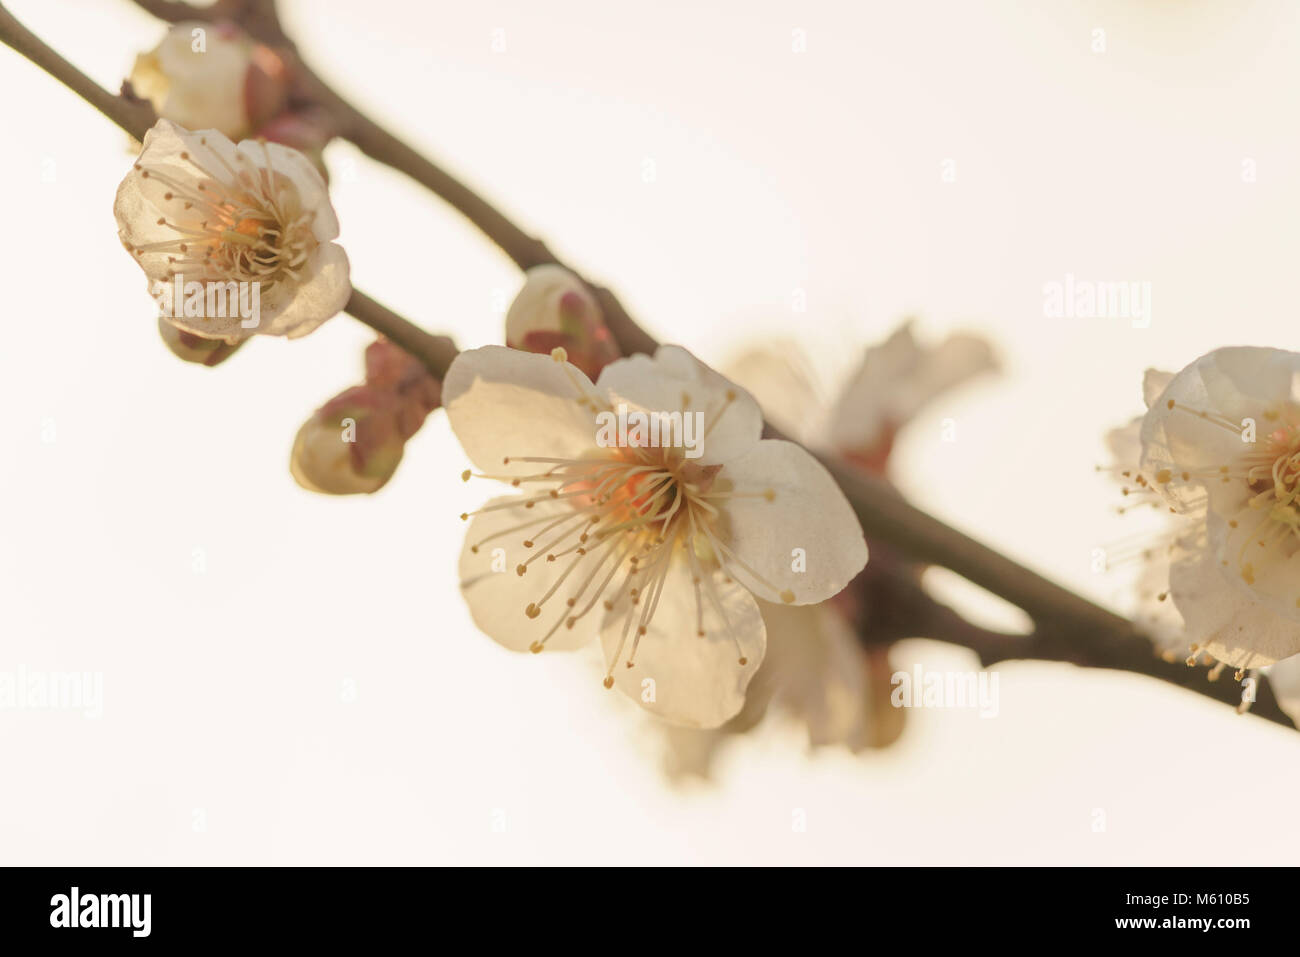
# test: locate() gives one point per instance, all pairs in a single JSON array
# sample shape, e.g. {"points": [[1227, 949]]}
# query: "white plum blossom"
{"points": [[211, 76], [660, 555], [898, 378], [817, 671], [198, 209], [1220, 443]]}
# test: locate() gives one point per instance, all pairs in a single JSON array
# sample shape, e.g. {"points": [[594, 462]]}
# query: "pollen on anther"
{"points": [[528, 543], [1170, 404], [532, 611], [464, 516], [464, 476], [520, 569], [608, 682], [744, 660], [787, 596], [536, 647]]}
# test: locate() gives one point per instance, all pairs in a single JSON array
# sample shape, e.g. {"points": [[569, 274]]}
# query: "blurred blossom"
{"points": [[1220, 443], [817, 670], [212, 76], [555, 309], [197, 211], [354, 442], [669, 552], [893, 382], [192, 348]]}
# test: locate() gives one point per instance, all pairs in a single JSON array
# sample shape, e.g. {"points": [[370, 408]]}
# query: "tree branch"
{"points": [[1068, 627]]}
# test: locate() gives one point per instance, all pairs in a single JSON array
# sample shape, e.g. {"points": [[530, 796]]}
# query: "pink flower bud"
{"points": [[212, 76], [555, 309], [354, 442]]}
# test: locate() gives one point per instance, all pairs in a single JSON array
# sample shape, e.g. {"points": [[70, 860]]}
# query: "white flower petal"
{"points": [[820, 672], [1284, 679], [498, 597], [897, 378], [807, 512], [503, 403], [323, 293], [1196, 421], [780, 377], [677, 675], [1225, 620], [676, 381]]}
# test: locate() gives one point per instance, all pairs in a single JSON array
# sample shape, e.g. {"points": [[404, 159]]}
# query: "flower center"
{"points": [[243, 222], [627, 517]]}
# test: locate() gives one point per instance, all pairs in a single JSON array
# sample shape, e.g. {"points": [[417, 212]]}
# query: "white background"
{"points": [[228, 733]]}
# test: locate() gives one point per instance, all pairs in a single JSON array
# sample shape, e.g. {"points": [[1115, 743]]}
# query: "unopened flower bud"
{"points": [[192, 348], [212, 76], [350, 445], [354, 443], [555, 309]]}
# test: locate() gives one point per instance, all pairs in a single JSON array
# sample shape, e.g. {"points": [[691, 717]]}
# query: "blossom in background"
{"points": [[1220, 443], [554, 309], [817, 671], [354, 442], [197, 209], [212, 76], [659, 554]]}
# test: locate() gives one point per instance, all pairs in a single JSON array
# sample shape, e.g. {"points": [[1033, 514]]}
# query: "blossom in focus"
{"points": [[196, 209], [212, 76], [817, 670], [659, 554], [1220, 443], [554, 309], [354, 442]]}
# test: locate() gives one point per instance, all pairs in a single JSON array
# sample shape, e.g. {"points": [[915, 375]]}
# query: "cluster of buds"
{"points": [[354, 442], [215, 76]]}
